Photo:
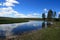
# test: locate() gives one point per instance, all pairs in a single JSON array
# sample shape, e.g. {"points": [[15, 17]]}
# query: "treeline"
{"points": [[51, 16]]}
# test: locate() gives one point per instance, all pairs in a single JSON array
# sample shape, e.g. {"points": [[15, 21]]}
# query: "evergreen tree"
{"points": [[50, 15], [54, 14], [43, 16], [59, 16]]}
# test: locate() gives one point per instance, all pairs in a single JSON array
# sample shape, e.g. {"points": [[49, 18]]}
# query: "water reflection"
{"points": [[19, 28], [43, 25], [32, 25], [46, 24], [49, 24]]}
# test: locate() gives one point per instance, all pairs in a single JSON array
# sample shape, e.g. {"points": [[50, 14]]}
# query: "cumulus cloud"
{"points": [[45, 10], [58, 12], [0, 4], [10, 3], [8, 11], [35, 15]]}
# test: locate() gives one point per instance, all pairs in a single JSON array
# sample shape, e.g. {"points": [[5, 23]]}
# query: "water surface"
{"points": [[17, 28]]}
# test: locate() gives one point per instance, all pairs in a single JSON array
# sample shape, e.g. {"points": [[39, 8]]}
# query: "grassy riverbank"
{"points": [[12, 21], [50, 33], [7, 20], [44, 34]]}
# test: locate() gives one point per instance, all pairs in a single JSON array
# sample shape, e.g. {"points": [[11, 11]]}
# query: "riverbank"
{"points": [[50, 33], [44, 34], [7, 20], [12, 20]]}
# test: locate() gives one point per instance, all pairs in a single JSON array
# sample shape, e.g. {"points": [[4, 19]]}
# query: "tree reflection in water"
{"points": [[46, 24]]}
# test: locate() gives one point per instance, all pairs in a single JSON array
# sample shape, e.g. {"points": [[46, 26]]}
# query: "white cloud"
{"points": [[10, 3], [0, 4], [45, 10], [27, 16], [34, 15], [58, 12], [8, 11]]}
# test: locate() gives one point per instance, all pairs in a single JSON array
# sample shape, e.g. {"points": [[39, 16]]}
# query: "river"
{"points": [[17, 28]]}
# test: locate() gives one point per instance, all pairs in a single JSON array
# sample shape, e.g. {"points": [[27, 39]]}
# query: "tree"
{"points": [[59, 16], [54, 14], [43, 16], [50, 15]]}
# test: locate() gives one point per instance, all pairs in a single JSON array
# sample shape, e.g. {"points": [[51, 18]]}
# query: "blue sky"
{"points": [[28, 8]]}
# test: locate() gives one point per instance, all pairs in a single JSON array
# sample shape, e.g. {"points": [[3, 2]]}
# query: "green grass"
{"points": [[44, 34], [12, 20], [50, 33], [56, 24], [7, 20]]}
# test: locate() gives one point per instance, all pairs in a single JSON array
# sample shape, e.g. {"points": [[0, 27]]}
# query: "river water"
{"points": [[17, 28]]}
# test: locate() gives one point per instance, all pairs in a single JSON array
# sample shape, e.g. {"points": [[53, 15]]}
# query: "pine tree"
{"points": [[50, 15], [43, 16]]}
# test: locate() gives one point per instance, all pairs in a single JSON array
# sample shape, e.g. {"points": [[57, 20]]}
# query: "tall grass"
{"points": [[44, 34]]}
